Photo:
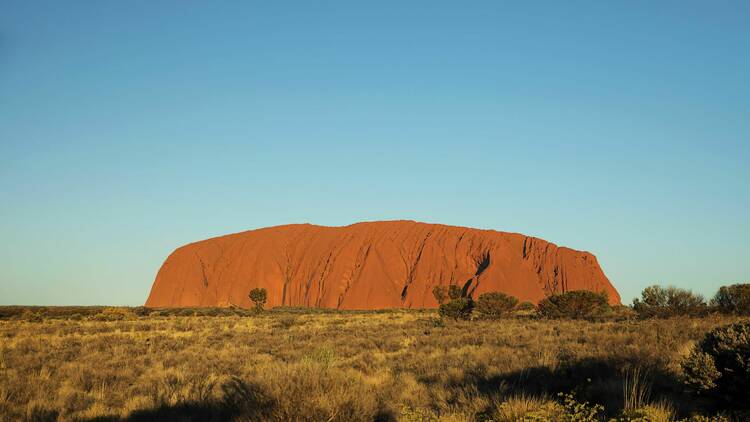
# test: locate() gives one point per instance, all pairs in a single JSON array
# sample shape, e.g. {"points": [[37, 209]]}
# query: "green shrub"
{"points": [[703, 418], [526, 306], [113, 314], [459, 308], [409, 414], [661, 302], [186, 312], [212, 312], [141, 311], [567, 408], [576, 304], [658, 412], [577, 411], [734, 299], [720, 364], [495, 305], [700, 371]]}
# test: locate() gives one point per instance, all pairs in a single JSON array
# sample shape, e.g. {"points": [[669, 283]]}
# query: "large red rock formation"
{"points": [[392, 264]]}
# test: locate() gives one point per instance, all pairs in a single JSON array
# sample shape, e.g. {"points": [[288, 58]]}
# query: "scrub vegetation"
{"points": [[139, 364]]}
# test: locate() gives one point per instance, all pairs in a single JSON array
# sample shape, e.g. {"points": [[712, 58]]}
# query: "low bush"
{"points": [[720, 364], [526, 306], [186, 312], [113, 314], [141, 311], [460, 308], [576, 304], [494, 305], [458, 305]]}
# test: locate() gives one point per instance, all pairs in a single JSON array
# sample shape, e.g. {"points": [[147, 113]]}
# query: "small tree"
{"points": [[734, 299], [258, 295], [660, 302], [720, 364], [576, 304], [494, 305]]}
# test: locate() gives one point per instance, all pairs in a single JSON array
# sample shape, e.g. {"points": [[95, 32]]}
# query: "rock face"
{"points": [[392, 264]]}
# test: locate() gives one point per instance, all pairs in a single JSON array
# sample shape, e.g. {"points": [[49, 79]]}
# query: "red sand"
{"points": [[392, 264]]}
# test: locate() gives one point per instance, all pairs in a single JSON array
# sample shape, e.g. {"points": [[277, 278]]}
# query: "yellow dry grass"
{"points": [[300, 365]]}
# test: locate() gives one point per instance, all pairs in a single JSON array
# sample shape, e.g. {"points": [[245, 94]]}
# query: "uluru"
{"points": [[372, 265]]}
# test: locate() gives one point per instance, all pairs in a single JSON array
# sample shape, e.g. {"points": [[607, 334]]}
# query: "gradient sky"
{"points": [[129, 128]]}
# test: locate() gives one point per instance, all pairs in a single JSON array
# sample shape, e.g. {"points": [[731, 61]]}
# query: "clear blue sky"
{"points": [[130, 128]]}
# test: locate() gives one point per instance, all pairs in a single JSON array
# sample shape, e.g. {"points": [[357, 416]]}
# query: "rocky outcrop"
{"points": [[392, 264]]}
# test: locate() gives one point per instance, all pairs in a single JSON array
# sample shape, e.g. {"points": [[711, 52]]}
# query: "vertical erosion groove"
{"points": [[204, 278], [482, 263], [359, 263], [413, 266], [287, 272]]}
